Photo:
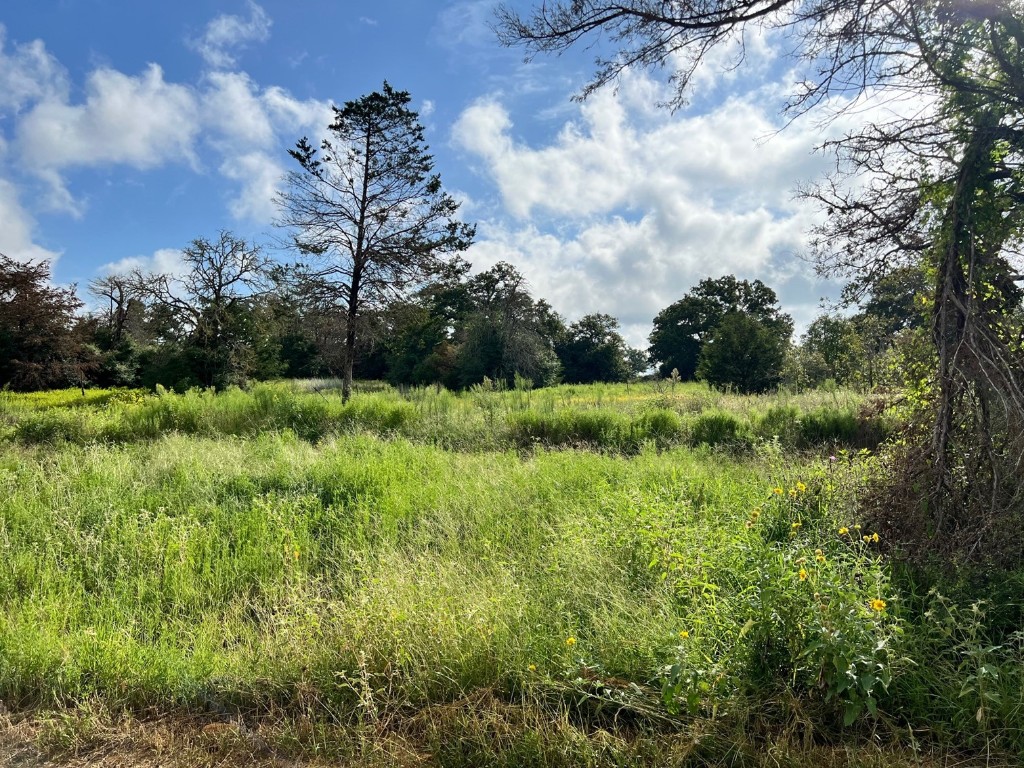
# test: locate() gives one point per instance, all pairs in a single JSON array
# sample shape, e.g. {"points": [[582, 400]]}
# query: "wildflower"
{"points": [[796, 525], [856, 527], [777, 491], [803, 574], [570, 641], [866, 539], [683, 635], [295, 554], [792, 493], [801, 487], [532, 667], [874, 537], [819, 558], [878, 605], [755, 514], [843, 531]]}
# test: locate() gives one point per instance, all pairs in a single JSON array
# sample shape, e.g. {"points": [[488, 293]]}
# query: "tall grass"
{"points": [[608, 417], [275, 552]]}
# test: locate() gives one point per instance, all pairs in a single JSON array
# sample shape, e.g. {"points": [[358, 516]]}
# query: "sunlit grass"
{"points": [[668, 569]]}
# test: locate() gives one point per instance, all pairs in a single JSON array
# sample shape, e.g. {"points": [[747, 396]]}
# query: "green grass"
{"points": [[619, 418], [668, 571]]}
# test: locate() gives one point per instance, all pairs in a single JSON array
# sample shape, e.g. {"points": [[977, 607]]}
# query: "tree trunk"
{"points": [[350, 358]]}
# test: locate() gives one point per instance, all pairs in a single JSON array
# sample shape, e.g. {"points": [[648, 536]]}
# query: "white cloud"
{"points": [[27, 74], [16, 233], [249, 128], [141, 121], [232, 106], [227, 34], [145, 122], [626, 209], [163, 261], [259, 177]]}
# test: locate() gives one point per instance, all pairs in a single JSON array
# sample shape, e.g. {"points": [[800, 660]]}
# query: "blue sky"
{"points": [[129, 128]]}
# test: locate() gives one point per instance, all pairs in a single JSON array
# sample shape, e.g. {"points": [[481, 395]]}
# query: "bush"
{"points": [[780, 422], [716, 428]]}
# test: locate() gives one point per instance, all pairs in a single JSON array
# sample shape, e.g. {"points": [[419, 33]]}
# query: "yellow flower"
{"points": [[777, 491], [874, 537], [819, 559], [792, 493], [867, 539], [796, 525], [570, 641], [532, 667], [801, 487], [856, 527], [296, 553], [878, 605], [843, 531], [683, 635], [755, 514], [803, 574]]}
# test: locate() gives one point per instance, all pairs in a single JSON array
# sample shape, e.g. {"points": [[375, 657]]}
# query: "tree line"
{"points": [[233, 315]]}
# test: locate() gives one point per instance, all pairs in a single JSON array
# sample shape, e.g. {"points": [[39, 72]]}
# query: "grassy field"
{"points": [[606, 575]]}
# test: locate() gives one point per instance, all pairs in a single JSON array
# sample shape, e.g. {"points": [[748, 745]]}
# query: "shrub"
{"points": [[716, 428]]}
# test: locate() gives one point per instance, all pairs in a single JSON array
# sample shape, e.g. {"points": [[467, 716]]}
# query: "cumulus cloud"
{"points": [[165, 261], [259, 177], [16, 233], [624, 210], [145, 122], [140, 121], [28, 73], [227, 34], [248, 127]]}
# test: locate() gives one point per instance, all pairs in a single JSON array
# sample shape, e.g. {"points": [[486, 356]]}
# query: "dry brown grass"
{"points": [[479, 730]]}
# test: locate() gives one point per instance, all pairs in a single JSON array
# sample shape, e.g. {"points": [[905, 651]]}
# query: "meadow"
{"points": [[603, 575]]}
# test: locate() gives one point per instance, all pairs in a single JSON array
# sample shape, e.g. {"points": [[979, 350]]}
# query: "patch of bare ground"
{"points": [[88, 738]]}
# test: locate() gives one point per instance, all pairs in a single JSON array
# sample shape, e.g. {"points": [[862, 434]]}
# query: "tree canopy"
{"points": [[681, 329], [40, 343]]}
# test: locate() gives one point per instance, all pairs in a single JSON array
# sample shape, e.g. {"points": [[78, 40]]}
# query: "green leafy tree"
{"points": [[681, 329], [41, 344], [368, 213], [204, 309], [592, 349], [506, 332], [833, 350], [637, 362], [743, 353]]}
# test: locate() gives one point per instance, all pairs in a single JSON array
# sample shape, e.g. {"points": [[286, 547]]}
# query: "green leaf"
{"points": [[851, 712]]}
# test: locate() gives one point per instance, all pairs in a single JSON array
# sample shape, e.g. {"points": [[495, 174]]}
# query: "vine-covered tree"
{"points": [[367, 211]]}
